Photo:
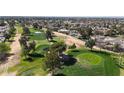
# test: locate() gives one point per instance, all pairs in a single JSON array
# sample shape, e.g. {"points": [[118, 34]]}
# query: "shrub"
{"points": [[58, 47], [4, 49], [72, 46]]}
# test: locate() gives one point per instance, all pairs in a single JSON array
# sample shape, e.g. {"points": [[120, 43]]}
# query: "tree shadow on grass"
{"points": [[100, 52], [11, 40], [70, 55], [46, 49], [31, 35], [53, 41], [36, 55], [71, 61], [75, 51], [29, 59]]}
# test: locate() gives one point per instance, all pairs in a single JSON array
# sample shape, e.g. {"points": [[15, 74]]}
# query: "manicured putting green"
{"points": [[39, 36], [89, 58]]}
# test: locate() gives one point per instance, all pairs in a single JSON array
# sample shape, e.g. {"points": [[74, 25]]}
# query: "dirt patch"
{"points": [[13, 59]]}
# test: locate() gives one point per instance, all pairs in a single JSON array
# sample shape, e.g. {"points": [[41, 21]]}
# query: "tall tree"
{"points": [[27, 46], [90, 43], [52, 61], [49, 35], [58, 47], [85, 32], [35, 25], [117, 47], [25, 51], [32, 45], [26, 31], [7, 36], [89, 31]]}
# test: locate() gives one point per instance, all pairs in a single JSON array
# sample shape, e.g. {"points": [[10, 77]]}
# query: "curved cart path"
{"points": [[14, 59]]}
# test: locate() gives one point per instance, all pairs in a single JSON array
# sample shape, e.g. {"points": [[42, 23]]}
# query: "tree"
{"points": [[35, 25], [89, 31], [4, 49], [82, 33], [49, 35], [117, 47], [90, 43], [40, 27], [72, 46], [25, 51], [121, 29], [12, 31], [11, 23], [85, 32], [58, 47], [27, 46], [52, 61], [23, 40], [12, 27], [7, 36], [32, 45], [2, 23], [26, 31]]}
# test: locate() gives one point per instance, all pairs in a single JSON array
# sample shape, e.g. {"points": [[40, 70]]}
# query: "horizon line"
{"points": [[71, 16]]}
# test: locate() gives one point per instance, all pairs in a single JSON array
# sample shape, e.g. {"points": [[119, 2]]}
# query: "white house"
{"points": [[65, 31]]}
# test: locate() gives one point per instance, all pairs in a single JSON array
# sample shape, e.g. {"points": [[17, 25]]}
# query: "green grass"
{"points": [[89, 58], [19, 28], [35, 36], [26, 68], [34, 30], [35, 67], [91, 64]]}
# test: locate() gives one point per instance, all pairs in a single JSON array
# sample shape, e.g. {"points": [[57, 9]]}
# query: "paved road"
{"points": [[14, 59]]}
